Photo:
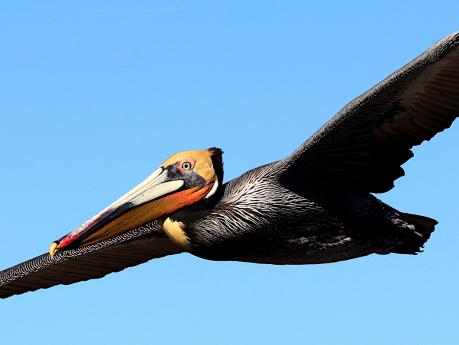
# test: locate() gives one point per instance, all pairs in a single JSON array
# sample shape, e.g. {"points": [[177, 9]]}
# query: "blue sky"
{"points": [[96, 94]]}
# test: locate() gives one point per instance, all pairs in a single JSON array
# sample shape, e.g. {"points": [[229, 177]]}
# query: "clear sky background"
{"points": [[95, 94]]}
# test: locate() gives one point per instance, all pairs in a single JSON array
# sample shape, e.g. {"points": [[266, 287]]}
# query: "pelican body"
{"points": [[259, 219], [314, 206]]}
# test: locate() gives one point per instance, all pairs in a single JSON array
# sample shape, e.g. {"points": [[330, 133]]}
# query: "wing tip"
{"points": [[450, 41]]}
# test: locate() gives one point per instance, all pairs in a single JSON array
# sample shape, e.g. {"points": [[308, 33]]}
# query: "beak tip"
{"points": [[53, 249]]}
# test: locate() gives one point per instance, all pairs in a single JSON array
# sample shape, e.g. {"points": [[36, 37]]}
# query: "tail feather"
{"points": [[423, 228]]}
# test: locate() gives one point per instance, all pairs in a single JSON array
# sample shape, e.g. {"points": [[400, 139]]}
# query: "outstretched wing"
{"points": [[70, 266], [364, 145]]}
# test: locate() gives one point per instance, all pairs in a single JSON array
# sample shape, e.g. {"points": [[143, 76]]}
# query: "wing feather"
{"points": [[70, 266], [364, 145]]}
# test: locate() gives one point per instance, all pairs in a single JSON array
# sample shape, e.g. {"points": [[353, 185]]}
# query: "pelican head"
{"points": [[182, 180]]}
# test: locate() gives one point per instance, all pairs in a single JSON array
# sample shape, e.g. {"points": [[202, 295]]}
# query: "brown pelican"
{"points": [[314, 206]]}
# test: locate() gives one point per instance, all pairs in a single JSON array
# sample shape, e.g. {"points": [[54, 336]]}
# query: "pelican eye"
{"points": [[186, 165]]}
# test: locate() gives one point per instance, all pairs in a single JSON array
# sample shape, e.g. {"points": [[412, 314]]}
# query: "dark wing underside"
{"points": [[364, 145], [129, 249]]}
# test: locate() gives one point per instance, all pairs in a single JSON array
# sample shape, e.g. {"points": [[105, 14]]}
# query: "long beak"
{"points": [[155, 197]]}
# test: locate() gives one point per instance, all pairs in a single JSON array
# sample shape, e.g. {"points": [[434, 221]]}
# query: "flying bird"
{"points": [[317, 205]]}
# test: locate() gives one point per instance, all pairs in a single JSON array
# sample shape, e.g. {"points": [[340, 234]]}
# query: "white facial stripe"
{"points": [[212, 191]]}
